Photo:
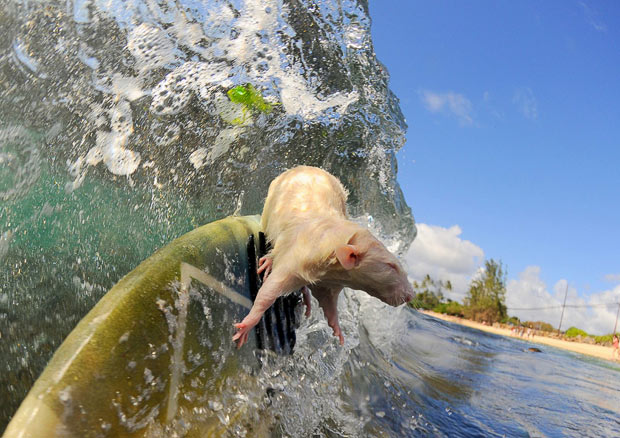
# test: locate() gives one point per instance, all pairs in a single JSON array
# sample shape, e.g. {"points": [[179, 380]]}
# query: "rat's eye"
{"points": [[393, 266]]}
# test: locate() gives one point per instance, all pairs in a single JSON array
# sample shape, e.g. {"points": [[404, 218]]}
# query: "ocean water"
{"points": [[124, 125], [402, 373]]}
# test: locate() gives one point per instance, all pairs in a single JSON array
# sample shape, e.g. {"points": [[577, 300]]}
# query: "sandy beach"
{"points": [[598, 351]]}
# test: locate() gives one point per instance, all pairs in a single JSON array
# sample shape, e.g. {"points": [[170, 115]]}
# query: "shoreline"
{"points": [[597, 351]]}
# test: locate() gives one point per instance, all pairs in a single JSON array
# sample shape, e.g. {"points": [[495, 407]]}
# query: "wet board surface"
{"points": [[157, 344]]}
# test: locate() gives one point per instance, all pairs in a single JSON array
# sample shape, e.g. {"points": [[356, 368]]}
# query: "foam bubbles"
{"points": [[150, 46], [204, 57], [110, 149], [230, 112], [150, 80], [110, 146], [197, 158], [121, 118], [130, 88], [203, 156], [223, 141], [19, 162], [173, 93], [165, 134], [248, 50], [24, 60], [94, 156], [121, 161]]}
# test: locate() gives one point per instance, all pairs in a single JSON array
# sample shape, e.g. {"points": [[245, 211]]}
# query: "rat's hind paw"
{"points": [[338, 333]]}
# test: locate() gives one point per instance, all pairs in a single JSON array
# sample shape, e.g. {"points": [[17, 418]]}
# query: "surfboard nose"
{"points": [[160, 332]]}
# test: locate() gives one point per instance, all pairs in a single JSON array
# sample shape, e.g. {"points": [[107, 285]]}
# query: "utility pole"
{"points": [[616, 324], [563, 305]]}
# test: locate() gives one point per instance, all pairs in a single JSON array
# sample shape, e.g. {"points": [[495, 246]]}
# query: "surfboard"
{"points": [[156, 345]]}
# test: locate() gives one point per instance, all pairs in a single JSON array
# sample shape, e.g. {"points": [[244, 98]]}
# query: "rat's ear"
{"points": [[348, 256]]}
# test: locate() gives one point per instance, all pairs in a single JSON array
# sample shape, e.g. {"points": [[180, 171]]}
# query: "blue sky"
{"points": [[514, 132]]}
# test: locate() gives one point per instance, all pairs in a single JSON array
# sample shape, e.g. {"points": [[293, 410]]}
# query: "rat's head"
{"points": [[369, 266]]}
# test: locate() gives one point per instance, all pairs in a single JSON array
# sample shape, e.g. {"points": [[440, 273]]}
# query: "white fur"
{"points": [[315, 244]]}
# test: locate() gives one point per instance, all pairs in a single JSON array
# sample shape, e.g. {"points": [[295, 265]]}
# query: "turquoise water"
{"points": [[117, 136]]}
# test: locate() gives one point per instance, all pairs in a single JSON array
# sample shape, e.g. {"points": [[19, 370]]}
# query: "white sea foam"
{"points": [[229, 49]]}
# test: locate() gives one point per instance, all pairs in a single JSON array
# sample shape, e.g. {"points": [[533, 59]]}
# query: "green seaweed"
{"points": [[250, 98]]}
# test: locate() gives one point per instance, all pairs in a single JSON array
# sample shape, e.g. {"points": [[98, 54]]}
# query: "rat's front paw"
{"points": [[242, 334], [243, 330], [264, 265]]}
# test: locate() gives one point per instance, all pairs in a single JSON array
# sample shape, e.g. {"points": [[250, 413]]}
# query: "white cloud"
{"points": [[612, 278], [526, 103], [441, 253], [450, 102], [530, 292]]}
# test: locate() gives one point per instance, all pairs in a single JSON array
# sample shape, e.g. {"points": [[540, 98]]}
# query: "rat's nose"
{"points": [[407, 293], [401, 297]]}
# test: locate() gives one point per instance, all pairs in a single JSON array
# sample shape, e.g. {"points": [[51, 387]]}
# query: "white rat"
{"points": [[316, 245]]}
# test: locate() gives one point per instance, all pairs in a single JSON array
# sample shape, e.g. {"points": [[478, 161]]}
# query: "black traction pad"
{"points": [[276, 329]]}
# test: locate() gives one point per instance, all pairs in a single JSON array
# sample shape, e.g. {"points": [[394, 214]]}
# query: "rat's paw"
{"points": [[337, 332], [243, 331], [264, 265], [339, 335]]}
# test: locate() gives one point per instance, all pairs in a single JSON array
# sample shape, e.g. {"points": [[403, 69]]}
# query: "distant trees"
{"points": [[429, 293], [573, 332], [450, 308], [485, 300], [486, 297], [539, 325]]}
